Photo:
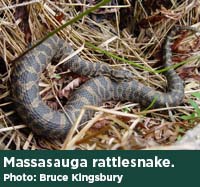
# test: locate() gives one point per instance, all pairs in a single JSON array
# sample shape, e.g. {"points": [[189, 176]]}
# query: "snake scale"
{"points": [[107, 84]]}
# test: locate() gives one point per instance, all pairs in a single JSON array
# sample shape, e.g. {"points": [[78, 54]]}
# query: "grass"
{"points": [[193, 117], [116, 125]]}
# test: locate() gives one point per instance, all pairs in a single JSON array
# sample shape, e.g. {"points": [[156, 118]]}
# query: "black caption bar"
{"points": [[97, 168]]}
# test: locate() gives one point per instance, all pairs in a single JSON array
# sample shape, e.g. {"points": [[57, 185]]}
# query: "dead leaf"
{"points": [[23, 14], [72, 85], [188, 72], [59, 17]]}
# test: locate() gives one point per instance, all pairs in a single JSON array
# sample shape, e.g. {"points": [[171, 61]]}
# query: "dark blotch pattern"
{"points": [[108, 84]]}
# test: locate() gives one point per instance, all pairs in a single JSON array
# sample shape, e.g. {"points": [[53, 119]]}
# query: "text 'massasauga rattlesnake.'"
{"points": [[103, 87]]}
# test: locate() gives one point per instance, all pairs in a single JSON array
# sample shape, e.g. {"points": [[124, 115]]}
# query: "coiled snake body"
{"points": [[105, 86]]}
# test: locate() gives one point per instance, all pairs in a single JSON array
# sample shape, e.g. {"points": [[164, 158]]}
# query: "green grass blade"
{"points": [[73, 20], [118, 58], [197, 95]]}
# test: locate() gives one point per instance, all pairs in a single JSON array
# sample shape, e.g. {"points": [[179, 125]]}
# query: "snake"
{"points": [[105, 83]]}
